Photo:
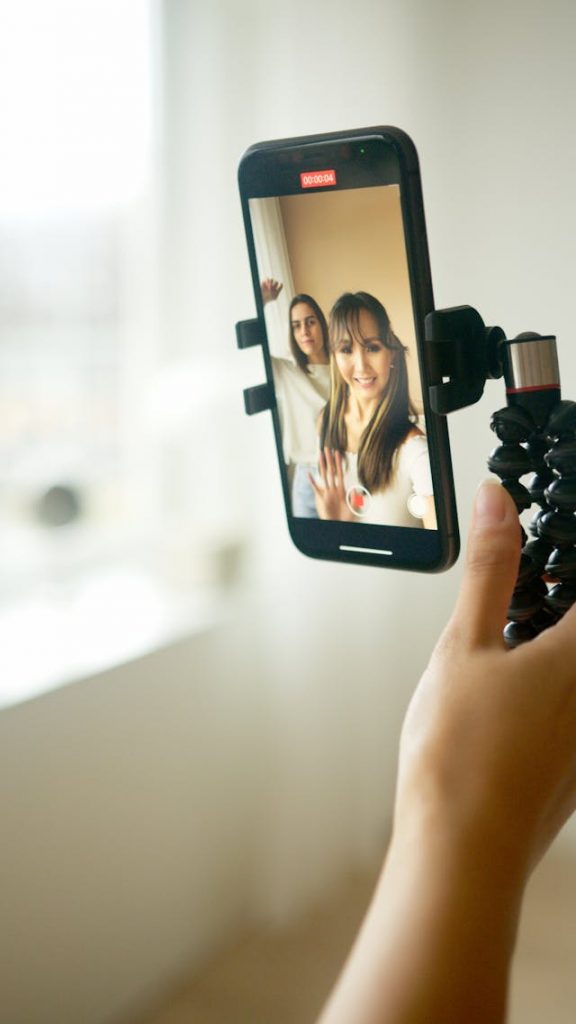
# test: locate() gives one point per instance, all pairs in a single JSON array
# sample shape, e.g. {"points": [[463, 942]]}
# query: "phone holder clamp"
{"points": [[465, 353], [259, 398]]}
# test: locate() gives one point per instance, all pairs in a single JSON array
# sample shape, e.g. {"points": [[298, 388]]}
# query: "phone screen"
{"points": [[332, 251]]}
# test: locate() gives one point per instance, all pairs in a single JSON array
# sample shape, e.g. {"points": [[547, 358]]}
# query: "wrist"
{"points": [[473, 835], [456, 908], [467, 806], [471, 869]]}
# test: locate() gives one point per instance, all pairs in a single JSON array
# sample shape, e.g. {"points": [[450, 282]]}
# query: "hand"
{"points": [[489, 740], [330, 494], [487, 777], [270, 290]]}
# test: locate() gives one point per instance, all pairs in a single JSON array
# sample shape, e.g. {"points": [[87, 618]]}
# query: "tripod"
{"points": [[537, 434]]}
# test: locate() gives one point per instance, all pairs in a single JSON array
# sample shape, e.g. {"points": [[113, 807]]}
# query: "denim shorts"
{"points": [[303, 497]]}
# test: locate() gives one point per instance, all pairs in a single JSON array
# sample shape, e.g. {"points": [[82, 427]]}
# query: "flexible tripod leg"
{"points": [[546, 584]]}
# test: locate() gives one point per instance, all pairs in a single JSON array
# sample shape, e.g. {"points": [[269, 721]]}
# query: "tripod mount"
{"points": [[537, 435]]}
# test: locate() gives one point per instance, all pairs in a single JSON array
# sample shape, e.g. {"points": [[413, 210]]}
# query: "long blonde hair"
{"points": [[395, 416]]}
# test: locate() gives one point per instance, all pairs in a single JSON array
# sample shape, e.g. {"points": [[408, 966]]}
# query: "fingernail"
{"points": [[491, 504]]}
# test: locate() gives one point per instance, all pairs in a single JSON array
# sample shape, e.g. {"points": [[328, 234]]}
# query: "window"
{"points": [[77, 281], [78, 338]]}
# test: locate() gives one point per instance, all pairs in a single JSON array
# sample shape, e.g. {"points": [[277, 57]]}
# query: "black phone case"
{"points": [[444, 547]]}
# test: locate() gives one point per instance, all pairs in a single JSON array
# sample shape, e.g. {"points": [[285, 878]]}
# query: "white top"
{"points": [[300, 397], [400, 504]]}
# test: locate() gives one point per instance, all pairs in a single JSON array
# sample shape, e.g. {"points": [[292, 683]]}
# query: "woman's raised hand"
{"points": [[270, 290], [330, 492]]}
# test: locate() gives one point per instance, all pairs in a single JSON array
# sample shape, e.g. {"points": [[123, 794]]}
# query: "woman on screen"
{"points": [[302, 385], [373, 464]]}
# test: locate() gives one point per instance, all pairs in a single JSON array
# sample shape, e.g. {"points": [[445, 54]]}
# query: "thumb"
{"points": [[492, 558]]}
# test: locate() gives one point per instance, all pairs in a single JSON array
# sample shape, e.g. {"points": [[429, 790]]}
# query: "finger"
{"points": [[330, 471], [339, 473], [334, 464], [317, 489], [492, 558], [322, 468]]}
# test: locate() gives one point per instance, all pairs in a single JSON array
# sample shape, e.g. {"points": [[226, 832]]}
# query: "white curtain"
{"points": [[273, 262]]}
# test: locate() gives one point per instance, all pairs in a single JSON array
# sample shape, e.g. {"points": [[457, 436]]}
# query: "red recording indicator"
{"points": [[317, 179]]}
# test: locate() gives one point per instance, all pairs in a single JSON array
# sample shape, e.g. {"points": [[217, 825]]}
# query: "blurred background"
{"points": [[198, 726]]}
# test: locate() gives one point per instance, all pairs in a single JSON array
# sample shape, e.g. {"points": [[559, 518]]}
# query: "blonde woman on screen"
{"points": [[373, 465]]}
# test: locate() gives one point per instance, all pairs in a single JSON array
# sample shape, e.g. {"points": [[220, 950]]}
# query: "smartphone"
{"points": [[337, 244]]}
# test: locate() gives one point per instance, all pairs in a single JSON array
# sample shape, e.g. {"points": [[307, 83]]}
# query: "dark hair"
{"points": [[395, 416], [300, 357]]}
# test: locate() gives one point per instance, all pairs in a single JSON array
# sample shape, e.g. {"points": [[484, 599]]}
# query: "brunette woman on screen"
{"points": [[373, 464], [302, 385]]}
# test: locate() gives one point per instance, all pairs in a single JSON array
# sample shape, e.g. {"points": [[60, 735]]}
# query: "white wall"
{"points": [[151, 811], [148, 811], [129, 821]]}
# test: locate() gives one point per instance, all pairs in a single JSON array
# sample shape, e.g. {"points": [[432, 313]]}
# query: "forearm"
{"points": [[437, 942]]}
